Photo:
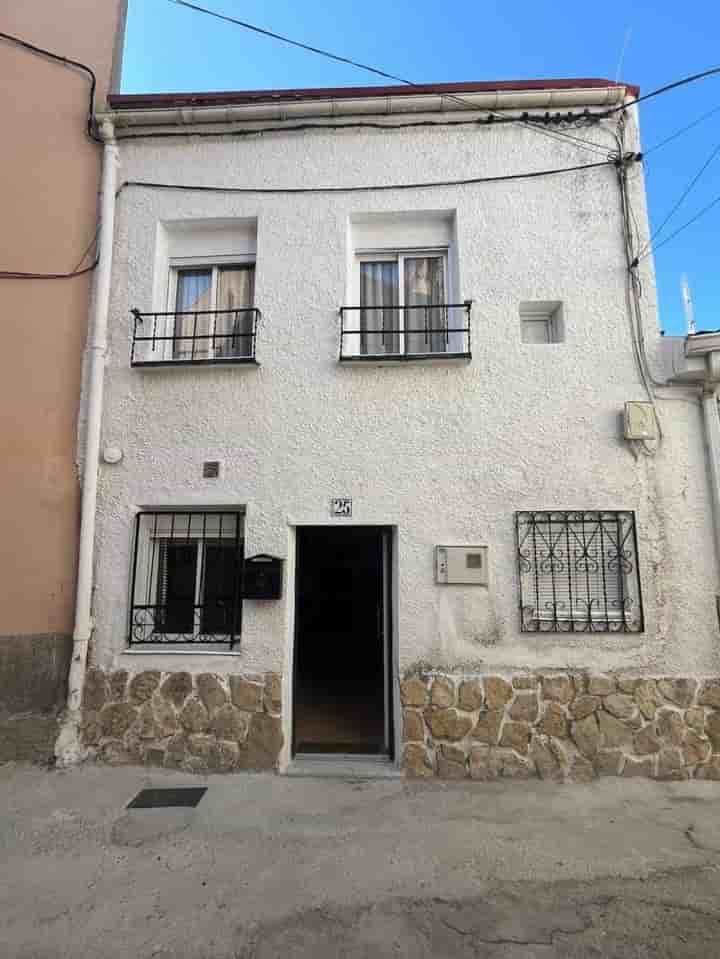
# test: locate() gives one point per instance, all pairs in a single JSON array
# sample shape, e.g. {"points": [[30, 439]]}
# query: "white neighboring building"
{"points": [[347, 332]]}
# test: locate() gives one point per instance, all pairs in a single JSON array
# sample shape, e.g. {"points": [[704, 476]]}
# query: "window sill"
{"points": [[182, 649], [224, 361], [402, 359]]}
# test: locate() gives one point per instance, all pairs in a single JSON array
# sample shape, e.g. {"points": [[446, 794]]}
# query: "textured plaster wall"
{"points": [[445, 453]]}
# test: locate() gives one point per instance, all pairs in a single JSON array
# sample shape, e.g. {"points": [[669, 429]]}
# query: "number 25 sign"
{"points": [[341, 506]]}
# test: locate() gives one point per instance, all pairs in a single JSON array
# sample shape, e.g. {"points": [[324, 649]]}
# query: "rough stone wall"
{"points": [[565, 727], [173, 719]]}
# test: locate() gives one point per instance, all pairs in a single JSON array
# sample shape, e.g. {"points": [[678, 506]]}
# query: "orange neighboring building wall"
{"points": [[48, 198]]}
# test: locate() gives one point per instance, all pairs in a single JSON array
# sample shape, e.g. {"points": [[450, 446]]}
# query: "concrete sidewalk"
{"points": [[271, 866]]}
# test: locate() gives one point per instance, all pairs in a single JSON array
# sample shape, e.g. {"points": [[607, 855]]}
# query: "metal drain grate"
{"points": [[161, 798]]}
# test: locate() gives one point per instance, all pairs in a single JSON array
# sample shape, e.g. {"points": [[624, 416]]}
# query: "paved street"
{"points": [[268, 866]]}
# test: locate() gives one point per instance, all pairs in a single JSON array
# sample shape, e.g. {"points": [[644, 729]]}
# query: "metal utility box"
{"points": [[640, 422], [262, 577], [463, 565]]}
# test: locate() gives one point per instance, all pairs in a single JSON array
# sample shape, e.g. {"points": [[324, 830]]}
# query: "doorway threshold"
{"points": [[343, 766]]}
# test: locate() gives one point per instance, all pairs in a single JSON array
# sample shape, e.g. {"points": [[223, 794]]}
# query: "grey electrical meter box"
{"points": [[461, 565]]}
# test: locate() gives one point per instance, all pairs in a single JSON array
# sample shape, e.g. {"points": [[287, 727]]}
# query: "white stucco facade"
{"points": [[442, 452]]}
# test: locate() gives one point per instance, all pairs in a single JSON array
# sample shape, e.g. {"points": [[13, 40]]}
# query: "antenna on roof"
{"points": [[626, 43], [688, 305]]}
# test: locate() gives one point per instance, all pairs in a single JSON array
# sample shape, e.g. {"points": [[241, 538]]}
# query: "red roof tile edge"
{"points": [[128, 101]]}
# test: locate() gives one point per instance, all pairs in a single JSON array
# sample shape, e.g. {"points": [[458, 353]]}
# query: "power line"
{"points": [[654, 93], [680, 229], [680, 132], [361, 189], [19, 275], [66, 61], [587, 144], [685, 192]]}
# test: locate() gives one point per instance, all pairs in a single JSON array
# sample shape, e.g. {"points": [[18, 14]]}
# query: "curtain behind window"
{"points": [[424, 286], [194, 292], [379, 288], [236, 291]]}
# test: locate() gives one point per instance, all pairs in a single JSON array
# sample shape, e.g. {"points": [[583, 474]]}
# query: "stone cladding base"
{"points": [[197, 723], [564, 727]]}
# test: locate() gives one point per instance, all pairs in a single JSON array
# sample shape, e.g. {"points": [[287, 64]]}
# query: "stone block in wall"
{"points": [[586, 735], [709, 694], [516, 736], [546, 759], [416, 761], [671, 765], [608, 762], [620, 705], [470, 695], [613, 732], [264, 742], [681, 692], [584, 705], [485, 764], [601, 685], [447, 723], [670, 726], [176, 688], [452, 763], [230, 724], [442, 692], [143, 685], [413, 726], [498, 691], [559, 689], [116, 719], [712, 729], [644, 768], [211, 692], [487, 727], [696, 749], [273, 694], [711, 770], [414, 692], [96, 691], [554, 722], [525, 707], [246, 695], [646, 741], [194, 717], [118, 684]]}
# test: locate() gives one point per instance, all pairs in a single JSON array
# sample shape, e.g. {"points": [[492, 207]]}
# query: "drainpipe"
{"points": [[711, 419], [68, 748]]}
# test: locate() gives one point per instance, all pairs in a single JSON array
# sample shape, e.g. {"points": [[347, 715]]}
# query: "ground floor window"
{"points": [[186, 579], [578, 571]]}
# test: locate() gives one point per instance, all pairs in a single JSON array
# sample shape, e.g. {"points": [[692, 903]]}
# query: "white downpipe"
{"points": [[68, 748], [712, 437]]}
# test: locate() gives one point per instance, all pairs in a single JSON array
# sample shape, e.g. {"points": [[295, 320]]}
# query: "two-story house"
{"points": [[389, 467]]}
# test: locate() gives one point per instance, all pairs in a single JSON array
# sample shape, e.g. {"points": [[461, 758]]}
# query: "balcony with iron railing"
{"points": [[438, 331], [194, 338]]}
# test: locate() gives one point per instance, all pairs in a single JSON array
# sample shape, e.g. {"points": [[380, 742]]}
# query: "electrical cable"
{"points": [[19, 275], [678, 133], [360, 189], [685, 192], [586, 144], [680, 229], [66, 61], [713, 71]]}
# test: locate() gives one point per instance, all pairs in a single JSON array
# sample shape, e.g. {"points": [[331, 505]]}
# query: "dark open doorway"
{"points": [[342, 642]]}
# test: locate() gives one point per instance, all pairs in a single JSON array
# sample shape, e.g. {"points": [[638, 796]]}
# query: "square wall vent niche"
{"points": [[542, 321]]}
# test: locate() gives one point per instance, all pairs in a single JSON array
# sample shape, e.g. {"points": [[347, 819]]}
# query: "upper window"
{"points": [[213, 315], [403, 308], [578, 571], [187, 572], [201, 308]]}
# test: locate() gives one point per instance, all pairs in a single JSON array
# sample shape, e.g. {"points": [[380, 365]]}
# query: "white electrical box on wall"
{"points": [[461, 565], [640, 422]]}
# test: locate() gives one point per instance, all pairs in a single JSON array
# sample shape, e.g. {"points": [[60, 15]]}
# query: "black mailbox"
{"points": [[262, 577]]}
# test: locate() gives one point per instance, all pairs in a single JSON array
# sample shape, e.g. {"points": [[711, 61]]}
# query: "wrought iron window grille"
{"points": [[427, 331], [194, 337], [578, 571], [186, 578]]}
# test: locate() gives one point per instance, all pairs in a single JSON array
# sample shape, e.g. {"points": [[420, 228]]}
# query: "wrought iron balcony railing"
{"points": [[194, 337], [405, 332]]}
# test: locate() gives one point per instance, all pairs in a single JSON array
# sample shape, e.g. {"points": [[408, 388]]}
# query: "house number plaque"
{"points": [[341, 506]]}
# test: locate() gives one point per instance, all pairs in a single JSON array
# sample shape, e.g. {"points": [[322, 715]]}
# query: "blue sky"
{"points": [[169, 48]]}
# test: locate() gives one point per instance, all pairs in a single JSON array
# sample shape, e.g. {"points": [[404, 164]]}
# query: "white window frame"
{"points": [[214, 264], [394, 256]]}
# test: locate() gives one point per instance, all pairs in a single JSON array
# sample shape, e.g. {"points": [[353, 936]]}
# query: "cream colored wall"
{"points": [[48, 198]]}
